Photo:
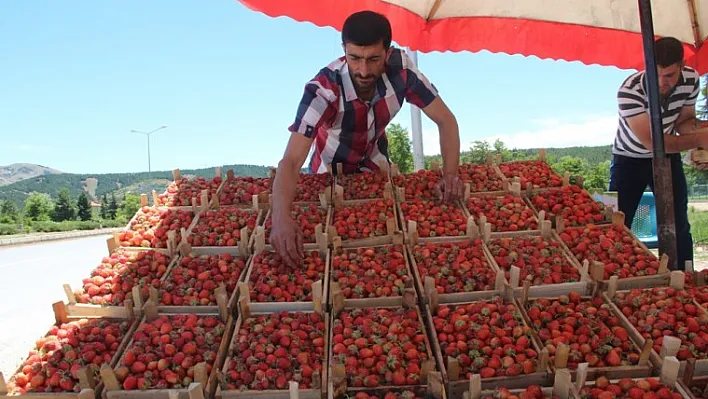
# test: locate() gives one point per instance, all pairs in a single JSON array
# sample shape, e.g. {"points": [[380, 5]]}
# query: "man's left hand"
{"points": [[450, 188]]}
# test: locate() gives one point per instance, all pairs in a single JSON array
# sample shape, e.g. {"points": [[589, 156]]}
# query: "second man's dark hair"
{"points": [[668, 51], [366, 28]]}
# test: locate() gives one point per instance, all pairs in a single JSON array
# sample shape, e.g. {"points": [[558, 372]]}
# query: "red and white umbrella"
{"points": [[604, 32]]}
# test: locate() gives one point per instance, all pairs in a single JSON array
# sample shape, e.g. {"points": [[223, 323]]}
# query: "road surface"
{"points": [[32, 277]]}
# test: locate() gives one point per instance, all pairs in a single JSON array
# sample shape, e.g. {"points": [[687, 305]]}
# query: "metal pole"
{"points": [[416, 127], [663, 188], [149, 167]]}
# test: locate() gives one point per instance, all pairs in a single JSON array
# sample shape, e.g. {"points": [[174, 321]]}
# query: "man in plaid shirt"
{"points": [[344, 112]]}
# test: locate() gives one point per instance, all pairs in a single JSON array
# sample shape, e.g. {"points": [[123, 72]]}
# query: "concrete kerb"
{"points": [[55, 236]]}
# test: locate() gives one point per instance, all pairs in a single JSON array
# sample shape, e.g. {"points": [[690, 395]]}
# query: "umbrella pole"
{"points": [[663, 188], [416, 127]]}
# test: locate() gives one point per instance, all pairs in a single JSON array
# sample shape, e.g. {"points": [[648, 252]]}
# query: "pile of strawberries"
{"points": [[389, 394], [542, 259], [505, 213], [363, 185], [240, 190], [194, 280], [419, 185], [307, 216], [588, 326], [150, 226], [363, 220], [648, 388], [272, 280], [181, 192], [113, 280], [659, 312], [379, 346], [271, 350], [456, 267], [538, 173], [486, 337], [531, 392], [572, 203], [480, 177], [54, 364], [613, 246], [371, 272], [310, 186], [222, 227], [435, 219], [164, 351]]}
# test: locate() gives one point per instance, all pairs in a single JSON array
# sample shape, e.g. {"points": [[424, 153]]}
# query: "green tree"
{"points": [[128, 207], [83, 206], [9, 212], [478, 152], [63, 209], [576, 166], [598, 177], [104, 207], [38, 207], [113, 207], [399, 147]]}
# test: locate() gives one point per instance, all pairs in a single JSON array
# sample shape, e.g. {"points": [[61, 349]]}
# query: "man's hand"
{"points": [[287, 239], [450, 188]]}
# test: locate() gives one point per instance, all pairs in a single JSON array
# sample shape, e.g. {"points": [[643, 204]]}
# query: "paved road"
{"points": [[32, 278]]}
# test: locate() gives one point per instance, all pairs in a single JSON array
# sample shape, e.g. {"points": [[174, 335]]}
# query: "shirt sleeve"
{"points": [[317, 107], [630, 102], [419, 91], [693, 98]]}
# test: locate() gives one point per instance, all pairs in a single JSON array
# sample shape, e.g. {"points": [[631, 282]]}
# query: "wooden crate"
{"points": [[489, 165], [172, 243], [434, 389], [642, 369], [340, 179], [319, 229], [555, 218], [482, 220], [694, 379], [338, 377], [411, 235], [246, 237], [670, 344], [668, 376], [248, 309], [259, 201], [83, 309], [393, 231], [202, 202], [562, 388], [335, 288], [400, 192], [455, 386], [90, 389], [596, 269], [320, 288], [204, 384]]}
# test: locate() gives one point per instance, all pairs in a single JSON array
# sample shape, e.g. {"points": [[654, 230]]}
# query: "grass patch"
{"points": [[699, 226]]}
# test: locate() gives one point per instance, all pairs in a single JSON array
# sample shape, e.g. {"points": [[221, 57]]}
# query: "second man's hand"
{"points": [[450, 188], [287, 239]]}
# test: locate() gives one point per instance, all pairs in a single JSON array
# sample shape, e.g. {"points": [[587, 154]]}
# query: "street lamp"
{"points": [[148, 140]]}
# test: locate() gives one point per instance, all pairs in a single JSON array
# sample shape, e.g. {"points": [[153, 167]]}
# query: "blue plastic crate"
{"points": [[644, 223]]}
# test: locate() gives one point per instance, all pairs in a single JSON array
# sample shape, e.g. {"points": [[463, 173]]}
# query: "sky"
{"points": [[77, 77]]}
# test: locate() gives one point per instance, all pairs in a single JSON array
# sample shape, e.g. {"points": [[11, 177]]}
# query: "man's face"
{"points": [[366, 64], [668, 78]]}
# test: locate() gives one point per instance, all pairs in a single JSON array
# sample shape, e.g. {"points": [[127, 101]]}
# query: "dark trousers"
{"points": [[630, 177]]}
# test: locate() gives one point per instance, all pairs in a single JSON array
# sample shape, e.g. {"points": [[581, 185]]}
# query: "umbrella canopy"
{"points": [[604, 32]]}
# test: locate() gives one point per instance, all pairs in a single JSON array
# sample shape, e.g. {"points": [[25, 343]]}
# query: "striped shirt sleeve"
{"points": [[630, 102], [317, 107], [419, 91], [693, 98]]}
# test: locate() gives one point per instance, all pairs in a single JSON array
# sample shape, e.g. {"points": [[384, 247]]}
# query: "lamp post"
{"points": [[147, 134]]}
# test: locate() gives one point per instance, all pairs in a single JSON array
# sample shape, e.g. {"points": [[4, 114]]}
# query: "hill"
{"points": [[120, 183], [21, 171]]}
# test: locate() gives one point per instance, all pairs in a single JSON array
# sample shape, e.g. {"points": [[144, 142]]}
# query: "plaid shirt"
{"points": [[348, 130]]}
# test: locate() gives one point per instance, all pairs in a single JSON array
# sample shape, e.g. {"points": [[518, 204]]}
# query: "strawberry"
{"points": [[435, 219], [363, 220], [490, 332], [371, 272], [310, 186], [150, 225], [181, 192], [419, 185], [541, 260], [307, 216], [272, 280], [268, 351], [480, 177], [572, 203], [239, 190], [647, 388], [537, 172], [359, 186], [613, 246], [456, 267], [505, 213], [222, 227]]}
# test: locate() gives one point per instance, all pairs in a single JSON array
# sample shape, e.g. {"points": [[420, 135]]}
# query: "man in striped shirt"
{"points": [[631, 169], [343, 114]]}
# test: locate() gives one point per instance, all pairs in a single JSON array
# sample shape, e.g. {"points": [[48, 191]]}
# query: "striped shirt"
{"points": [[632, 101], [351, 131]]}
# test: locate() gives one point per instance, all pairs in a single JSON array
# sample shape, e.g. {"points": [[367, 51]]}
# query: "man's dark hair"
{"points": [[668, 51], [366, 28]]}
